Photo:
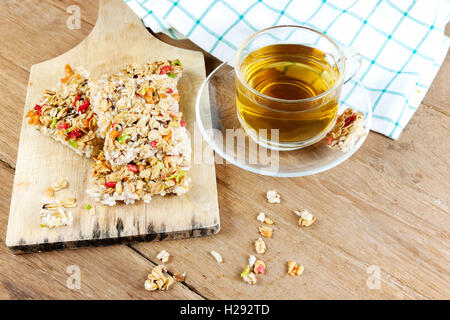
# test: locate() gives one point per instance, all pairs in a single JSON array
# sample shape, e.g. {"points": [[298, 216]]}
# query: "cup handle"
{"points": [[353, 61]]}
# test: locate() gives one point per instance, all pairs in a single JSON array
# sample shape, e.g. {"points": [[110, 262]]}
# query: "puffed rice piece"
{"points": [[260, 267], [250, 278], [273, 196], [261, 217], [251, 260], [260, 246], [217, 256], [306, 218]]}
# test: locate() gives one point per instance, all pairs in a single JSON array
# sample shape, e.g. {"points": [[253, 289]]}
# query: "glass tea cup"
{"points": [[288, 84]]}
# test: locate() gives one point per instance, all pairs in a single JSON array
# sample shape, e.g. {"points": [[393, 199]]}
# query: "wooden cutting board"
{"points": [[118, 38]]}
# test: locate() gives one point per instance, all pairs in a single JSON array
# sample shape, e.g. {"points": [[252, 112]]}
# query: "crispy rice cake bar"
{"points": [[140, 180], [138, 113], [66, 114]]}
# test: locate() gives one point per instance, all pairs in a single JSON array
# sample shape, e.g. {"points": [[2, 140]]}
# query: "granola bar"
{"points": [[66, 114], [139, 180], [138, 112], [347, 131]]}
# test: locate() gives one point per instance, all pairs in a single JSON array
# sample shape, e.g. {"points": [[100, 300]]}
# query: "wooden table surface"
{"points": [[387, 206]]}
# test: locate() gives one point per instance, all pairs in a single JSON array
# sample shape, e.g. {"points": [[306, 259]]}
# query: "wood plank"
{"points": [[43, 32], [115, 272], [44, 276], [13, 82], [404, 185], [382, 207], [438, 96]]}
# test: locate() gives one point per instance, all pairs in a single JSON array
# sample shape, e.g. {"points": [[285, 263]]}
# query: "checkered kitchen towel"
{"points": [[402, 42]]}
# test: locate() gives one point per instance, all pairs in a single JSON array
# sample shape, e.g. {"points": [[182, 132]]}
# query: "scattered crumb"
{"points": [[261, 217], [294, 269], [273, 196], [306, 218], [217, 256], [163, 256], [54, 218], [251, 260], [260, 246], [248, 276], [158, 279]]}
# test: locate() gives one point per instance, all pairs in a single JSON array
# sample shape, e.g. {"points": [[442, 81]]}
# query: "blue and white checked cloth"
{"points": [[402, 42]]}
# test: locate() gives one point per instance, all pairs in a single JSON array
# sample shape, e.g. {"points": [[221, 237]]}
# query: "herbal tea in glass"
{"points": [[291, 85]]}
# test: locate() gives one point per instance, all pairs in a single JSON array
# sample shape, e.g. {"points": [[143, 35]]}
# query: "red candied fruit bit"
{"points": [[110, 184], [38, 109], [63, 125], [260, 269], [350, 120], [166, 69], [83, 107], [75, 133], [183, 123], [169, 90], [133, 168], [153, 144], [330, 140]]}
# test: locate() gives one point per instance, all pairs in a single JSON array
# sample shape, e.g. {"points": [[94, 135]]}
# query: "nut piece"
{"points": [[217, 256], [179, 277], [273, 196], [294, 269], [69, 203], [260, 246], [266, 231], [50, 192], [251, 261], [250, 278], [163, 256], [306, 218], [150, 285], [260, 267], [60, 185], [261, 217], [158, 279], [268, 221]]}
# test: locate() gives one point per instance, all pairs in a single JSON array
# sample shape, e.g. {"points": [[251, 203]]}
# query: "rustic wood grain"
{"points": [[105, 272], [115, 272], [115, 41], [387, 206], [383, 207]]}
